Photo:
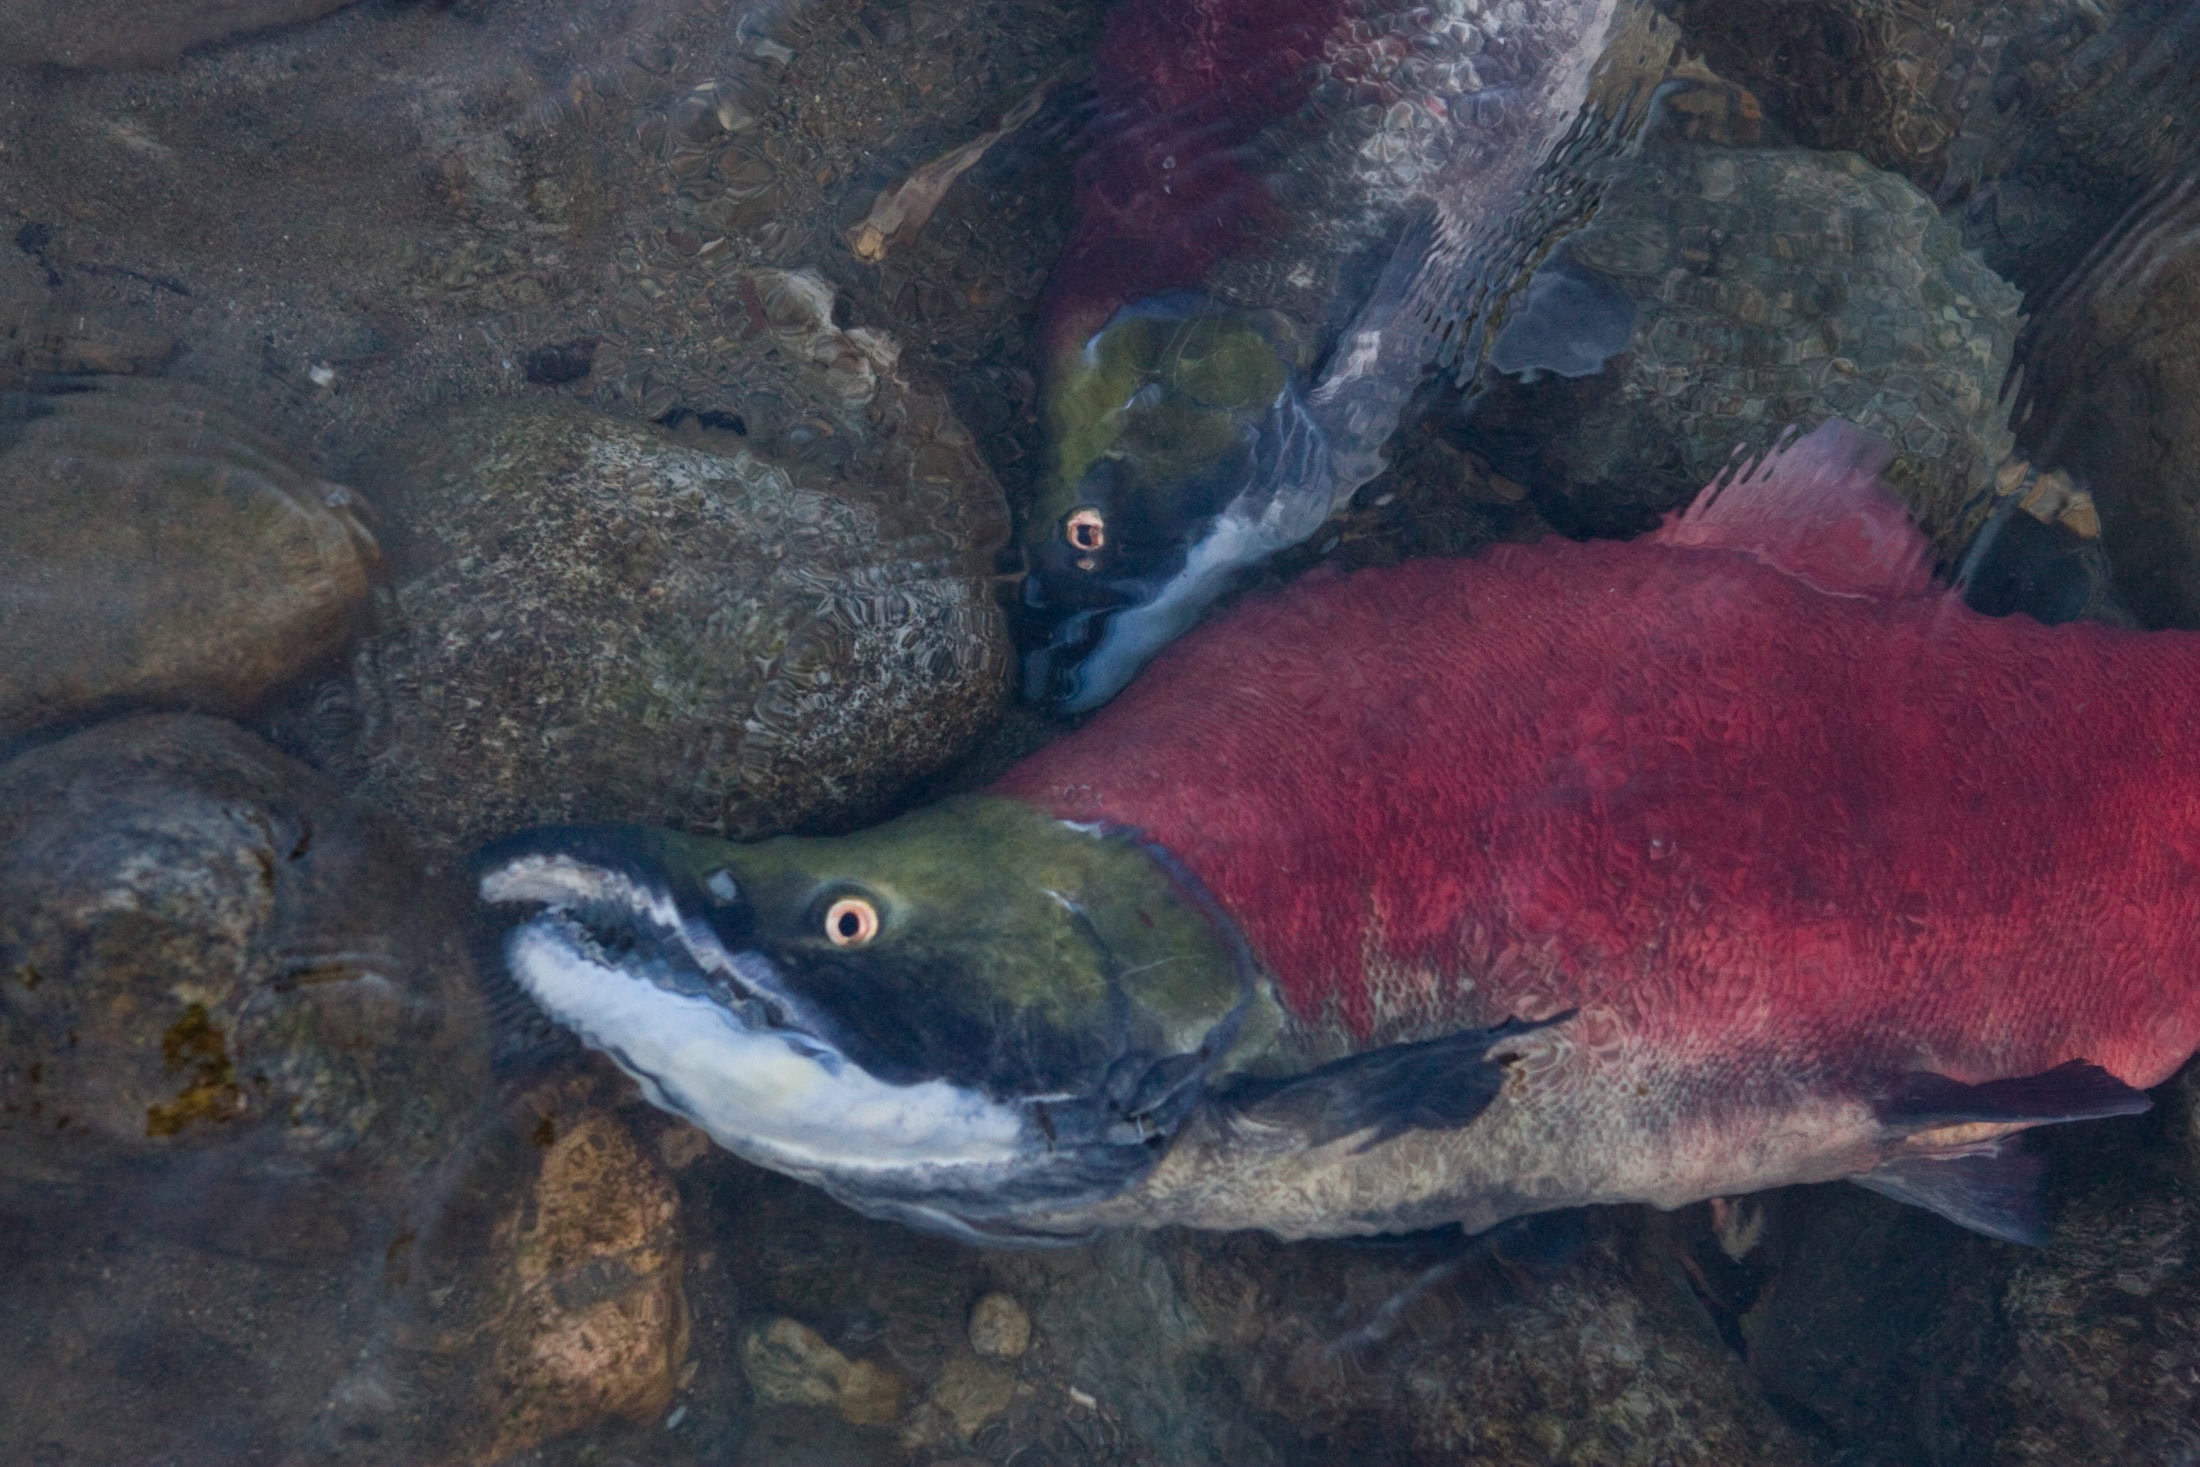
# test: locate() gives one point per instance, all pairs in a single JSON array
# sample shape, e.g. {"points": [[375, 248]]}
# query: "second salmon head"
{"points": [[1183, 451]]}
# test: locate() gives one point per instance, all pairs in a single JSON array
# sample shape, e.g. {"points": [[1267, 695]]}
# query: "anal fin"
{"points": [[1995, 1190]]}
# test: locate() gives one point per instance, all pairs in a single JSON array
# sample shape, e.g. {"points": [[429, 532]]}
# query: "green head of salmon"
{"points": [[1231, 172], [969, 1017], [1183, 451]]}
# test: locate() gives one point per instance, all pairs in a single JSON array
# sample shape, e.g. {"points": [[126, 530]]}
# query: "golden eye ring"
{"points": [[851, 922], [1085, 529]]}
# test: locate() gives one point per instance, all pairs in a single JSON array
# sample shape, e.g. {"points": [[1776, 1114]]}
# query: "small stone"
{"points": [[970, 1392], [597, 1327], [682, 1145], [790, 1364], [870, 1395], [999, 1327]]}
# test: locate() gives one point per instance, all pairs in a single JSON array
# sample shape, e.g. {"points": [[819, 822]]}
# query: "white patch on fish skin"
{"points": [[776, 1097]]}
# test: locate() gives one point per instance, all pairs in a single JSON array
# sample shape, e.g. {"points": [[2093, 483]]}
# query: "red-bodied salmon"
{"points": [[1740, 855], [1226, 351]]}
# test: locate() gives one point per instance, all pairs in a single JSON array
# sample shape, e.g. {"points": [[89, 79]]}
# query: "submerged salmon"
{"points": [[1737, 856], [1226, 353]]}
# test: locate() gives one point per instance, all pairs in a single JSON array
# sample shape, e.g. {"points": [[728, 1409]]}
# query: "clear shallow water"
{"points": [[671, 495]]}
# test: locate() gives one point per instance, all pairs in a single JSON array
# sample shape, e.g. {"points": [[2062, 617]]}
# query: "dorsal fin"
{"points": [[1816, 508]]}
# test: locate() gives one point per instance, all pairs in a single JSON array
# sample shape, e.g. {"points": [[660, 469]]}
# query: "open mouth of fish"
{"points": [[612, 947]]}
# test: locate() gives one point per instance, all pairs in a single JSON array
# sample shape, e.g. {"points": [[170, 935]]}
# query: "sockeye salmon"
{"points": [[1736, 856], [1225, 350]]}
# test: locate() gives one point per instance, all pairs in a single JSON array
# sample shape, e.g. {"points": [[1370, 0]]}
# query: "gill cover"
{"points": [[966, 1016]]}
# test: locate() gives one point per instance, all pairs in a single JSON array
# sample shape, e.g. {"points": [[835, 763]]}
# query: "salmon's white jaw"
{"points": [[767, 1091]]}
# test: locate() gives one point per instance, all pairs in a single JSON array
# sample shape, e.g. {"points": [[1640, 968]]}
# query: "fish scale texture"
{"points": [[1164, 189], [1722, 812]]}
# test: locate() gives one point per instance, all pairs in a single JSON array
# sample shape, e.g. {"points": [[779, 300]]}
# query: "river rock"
{"points": [[2106, 1325], [206, 952], [105, 35], [1242, 1349], [594, 620], [153, 551], [1766, 287], [999, 1327], [2034, 122], [239, 1047], [547, 1295]]}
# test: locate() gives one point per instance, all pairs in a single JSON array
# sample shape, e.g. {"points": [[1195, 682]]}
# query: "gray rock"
{"points": [[207, 958], [1771, 287], [2035, 122], [1242, 1349], [2106, 1324], [594, 621], [153, 551], [259, 1194], [2182, 1106], [126, 33], [2114, 382]]}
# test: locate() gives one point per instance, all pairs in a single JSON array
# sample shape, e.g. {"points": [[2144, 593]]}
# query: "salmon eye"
{"points": [[1086, 530], [851, 922]]}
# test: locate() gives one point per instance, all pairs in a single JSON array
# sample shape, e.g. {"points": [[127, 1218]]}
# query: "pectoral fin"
{"points": [[1434, 1085], [1965, 1162]]}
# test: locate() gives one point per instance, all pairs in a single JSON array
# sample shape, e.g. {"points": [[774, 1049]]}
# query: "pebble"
{"points": [[790, 1364], [999, 1327]]}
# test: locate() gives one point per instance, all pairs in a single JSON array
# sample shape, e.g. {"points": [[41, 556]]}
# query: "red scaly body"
{"points": [[1181, 87], [1679, 787]]}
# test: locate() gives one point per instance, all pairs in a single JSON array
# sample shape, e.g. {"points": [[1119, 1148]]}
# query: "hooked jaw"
{"points": [[710, 1036], [632, 957]]}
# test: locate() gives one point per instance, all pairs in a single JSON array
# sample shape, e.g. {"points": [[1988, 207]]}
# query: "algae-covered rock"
{"points": [[204, 952], [2034, 122], [2105, 1365], [154, 551], [999, 1327], [1242, 1349], [594, 621], [1767, 287], [239, 1047], [789, 1364]]}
